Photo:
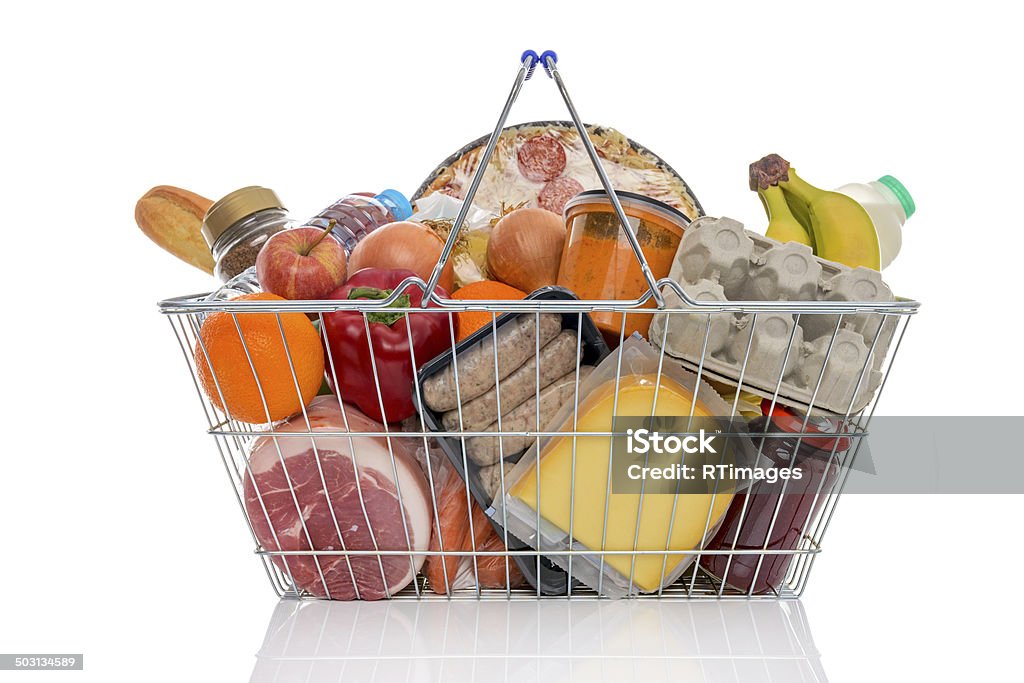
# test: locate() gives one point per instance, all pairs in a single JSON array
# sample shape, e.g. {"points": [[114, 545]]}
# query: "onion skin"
{"points": [[525, 248], [403, 245]]}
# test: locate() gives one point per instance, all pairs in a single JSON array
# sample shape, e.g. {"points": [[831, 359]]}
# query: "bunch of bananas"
{"points": [[835, 226]]}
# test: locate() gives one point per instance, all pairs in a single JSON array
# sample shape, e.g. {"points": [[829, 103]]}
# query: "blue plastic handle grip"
{"points": [[544, 60]]}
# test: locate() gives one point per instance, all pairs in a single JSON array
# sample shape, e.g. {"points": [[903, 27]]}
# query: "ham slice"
{"points": [[381, 502]]}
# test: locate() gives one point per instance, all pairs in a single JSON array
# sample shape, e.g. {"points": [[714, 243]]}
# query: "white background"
{"points": [[120, 536]]}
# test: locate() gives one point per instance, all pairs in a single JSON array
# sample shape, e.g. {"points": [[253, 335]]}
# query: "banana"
{"points": [[799, 211], [842, 230], [839, 229], [782, 225]]}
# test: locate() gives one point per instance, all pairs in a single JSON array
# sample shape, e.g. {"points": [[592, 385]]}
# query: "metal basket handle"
{"points": [[528, 62]]}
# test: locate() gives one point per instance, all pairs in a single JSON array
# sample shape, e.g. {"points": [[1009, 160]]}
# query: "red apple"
{"points": [[301, 263]]}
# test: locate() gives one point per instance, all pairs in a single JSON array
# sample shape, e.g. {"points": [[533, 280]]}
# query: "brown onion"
{"points": [[525, 248], [404, 244]]}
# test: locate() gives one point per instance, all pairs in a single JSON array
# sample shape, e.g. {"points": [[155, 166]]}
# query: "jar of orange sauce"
{"points": [[598, 262]]}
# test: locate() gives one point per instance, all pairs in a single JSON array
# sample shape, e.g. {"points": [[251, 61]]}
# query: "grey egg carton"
{"points": [[719, 261]]}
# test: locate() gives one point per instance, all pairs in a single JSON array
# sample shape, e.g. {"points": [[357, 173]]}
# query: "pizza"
{"points": [[544, 164]]}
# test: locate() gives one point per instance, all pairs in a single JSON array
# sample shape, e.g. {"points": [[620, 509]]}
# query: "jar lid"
{"points": [[789, 420], [629, 200], [235, 206]]}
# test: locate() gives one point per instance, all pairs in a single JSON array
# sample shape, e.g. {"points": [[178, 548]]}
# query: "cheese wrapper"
{"points": [[576, 489]]}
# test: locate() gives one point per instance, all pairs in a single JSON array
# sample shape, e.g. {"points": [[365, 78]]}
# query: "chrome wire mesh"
{"points": [[234, 440]]}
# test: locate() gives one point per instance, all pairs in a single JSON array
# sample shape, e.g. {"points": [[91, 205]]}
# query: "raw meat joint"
{"points": [[394, 495]]}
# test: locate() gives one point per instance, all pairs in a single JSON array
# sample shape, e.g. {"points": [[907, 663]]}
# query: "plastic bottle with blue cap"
{"points": [[358, 214]]}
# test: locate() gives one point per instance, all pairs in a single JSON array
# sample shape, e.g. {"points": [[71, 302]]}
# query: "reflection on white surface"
{"points": [[554, 641]]}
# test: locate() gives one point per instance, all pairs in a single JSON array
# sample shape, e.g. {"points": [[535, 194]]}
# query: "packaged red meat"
{"points": [[337, 492], [452, 572], [544, 164]]}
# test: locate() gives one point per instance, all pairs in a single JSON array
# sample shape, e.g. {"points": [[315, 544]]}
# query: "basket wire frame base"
{"points": [[706, 587]]}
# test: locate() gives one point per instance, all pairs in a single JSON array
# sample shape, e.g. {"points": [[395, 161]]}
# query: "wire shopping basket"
{"points": [[523, 501]]}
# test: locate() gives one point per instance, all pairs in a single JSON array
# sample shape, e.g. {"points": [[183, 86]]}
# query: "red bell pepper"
{"points": [[349, 349]]}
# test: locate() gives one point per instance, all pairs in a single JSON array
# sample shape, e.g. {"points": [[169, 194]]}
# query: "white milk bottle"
{"points": [[889, 205]]}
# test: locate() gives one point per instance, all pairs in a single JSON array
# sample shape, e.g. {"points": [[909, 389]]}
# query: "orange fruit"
{"points": [[471, 321], [232, 374]]}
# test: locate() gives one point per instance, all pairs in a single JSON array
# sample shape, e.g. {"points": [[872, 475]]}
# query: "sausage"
{"points": [[557, 357], [490, 477], [484, 450], [516, 343]]}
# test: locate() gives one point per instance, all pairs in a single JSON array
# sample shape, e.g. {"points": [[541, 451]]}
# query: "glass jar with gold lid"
{"points": [[238, 225]]}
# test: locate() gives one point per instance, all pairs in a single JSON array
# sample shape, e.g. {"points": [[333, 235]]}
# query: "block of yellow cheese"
{"points": [[635, 397]]}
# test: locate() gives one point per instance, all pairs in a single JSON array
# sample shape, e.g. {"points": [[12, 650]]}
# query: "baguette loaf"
{"points": [[172, 218]]}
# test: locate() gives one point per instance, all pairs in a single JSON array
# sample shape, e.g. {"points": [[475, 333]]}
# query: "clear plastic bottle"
{"points": [[889, 205], [356, 215]]}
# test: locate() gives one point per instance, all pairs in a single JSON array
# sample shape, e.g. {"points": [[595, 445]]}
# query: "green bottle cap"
{"points": [[901, 193]]}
